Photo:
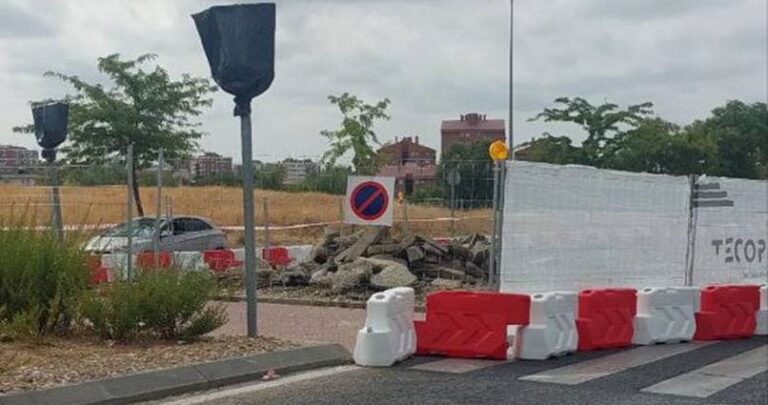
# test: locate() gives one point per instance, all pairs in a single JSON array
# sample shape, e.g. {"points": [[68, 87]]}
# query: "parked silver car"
{"points": [[179, 233]]}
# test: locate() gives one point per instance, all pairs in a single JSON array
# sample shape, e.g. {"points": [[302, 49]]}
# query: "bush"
{"points": [[165, 304], [42, 280]]}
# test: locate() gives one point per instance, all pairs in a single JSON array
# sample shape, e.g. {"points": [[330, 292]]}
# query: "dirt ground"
{"points": [[58, 361]]}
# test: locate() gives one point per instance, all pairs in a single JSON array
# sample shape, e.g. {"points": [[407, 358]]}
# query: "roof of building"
{"points": [[472, 121], [406, 140]]}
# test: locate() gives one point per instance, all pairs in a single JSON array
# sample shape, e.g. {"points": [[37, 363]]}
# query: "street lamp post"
{"points": [[239, 43]]}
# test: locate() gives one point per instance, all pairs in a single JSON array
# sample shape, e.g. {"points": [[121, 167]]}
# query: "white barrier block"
{"points": [[551, 331], [762, 313], [665, 315], [389, 335], [189, 261], [117, 265]]}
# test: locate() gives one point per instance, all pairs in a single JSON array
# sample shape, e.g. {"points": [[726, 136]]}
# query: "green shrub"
{"points": [[42, 280], [165, 304]]}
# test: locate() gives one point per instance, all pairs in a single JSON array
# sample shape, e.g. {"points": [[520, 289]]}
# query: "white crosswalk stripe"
{"points": [[700, 383], [603, 366], [457, 366], [715, 377]]}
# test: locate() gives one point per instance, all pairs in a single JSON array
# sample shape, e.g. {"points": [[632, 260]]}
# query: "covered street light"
{"points": [[50, 122], [239, 42]]}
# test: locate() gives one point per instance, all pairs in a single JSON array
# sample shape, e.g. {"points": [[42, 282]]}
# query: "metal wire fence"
{"points": [[296, 199]]}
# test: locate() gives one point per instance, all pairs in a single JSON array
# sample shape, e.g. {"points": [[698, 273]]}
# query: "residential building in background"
{"points": [[470, 128], [15, 162], [297, 170], [211, 165], [13, 157], [411, 164]]}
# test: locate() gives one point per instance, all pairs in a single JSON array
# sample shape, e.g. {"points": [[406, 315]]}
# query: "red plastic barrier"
{"points": [[470, 324], [277, 256], [220, 260], [146, 260], [727, 312], [606, 318], [98, 273]]}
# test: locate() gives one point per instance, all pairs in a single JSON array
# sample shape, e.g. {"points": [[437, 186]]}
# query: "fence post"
{"points": [[690, 253], [159, 207], [56, 221], [129, 214], [494, 221], [266, 225]]}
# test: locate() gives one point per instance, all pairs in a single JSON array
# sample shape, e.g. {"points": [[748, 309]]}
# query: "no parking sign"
{"points": [[369, 200]]}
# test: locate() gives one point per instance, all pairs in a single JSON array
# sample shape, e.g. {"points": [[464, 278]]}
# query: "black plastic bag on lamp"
{"points": [[239, 42], [50, 126]]}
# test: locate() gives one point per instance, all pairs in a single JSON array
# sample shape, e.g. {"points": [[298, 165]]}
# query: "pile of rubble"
{"points": [[372, 259]]}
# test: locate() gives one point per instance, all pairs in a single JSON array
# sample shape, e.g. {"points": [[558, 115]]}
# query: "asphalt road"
{"points": [[732, 372]]}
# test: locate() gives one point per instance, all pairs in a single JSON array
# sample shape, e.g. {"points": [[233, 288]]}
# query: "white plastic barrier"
{"points": [[762, 314], [552, 328], [389, 335], [665, 315], [190, 261]]}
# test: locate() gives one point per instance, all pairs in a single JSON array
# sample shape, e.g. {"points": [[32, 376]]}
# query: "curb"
{"points": [[152, 385], [308, 303]]}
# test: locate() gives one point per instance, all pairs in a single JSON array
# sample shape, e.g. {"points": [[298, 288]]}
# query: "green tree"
{"points": [[658, 146], [356, 132], [601, 122], [552, 149], [741, 131], [146, 108]]}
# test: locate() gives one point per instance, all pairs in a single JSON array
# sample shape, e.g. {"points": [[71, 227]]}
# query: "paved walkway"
{"points": [[298, 322]]}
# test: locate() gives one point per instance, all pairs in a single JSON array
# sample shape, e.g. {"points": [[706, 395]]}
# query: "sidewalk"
{"points": [[298, 322]]}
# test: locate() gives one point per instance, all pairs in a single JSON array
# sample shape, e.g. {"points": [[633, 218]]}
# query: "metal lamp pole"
{"points": [[249, 222]]}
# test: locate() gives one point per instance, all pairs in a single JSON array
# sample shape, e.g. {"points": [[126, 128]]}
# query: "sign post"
{"points": [[239, 43], [498, 151]]}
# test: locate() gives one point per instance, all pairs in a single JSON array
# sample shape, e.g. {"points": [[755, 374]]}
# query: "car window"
{"points": [[199, 225]]}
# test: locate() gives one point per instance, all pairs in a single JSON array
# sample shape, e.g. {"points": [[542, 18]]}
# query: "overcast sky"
{"points": [[434, 59]]}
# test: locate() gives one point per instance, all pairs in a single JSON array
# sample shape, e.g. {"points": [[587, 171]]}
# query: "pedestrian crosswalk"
{"points": [[701, 381]]}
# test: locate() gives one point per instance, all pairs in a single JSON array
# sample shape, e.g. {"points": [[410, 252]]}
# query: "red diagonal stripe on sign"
{"points": [[370, 200]]}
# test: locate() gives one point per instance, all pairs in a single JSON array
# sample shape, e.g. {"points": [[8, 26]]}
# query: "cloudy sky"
{"points": [[433, 59]]}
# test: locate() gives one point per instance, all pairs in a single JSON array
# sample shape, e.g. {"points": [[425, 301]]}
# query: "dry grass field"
{"points": [[107, 205]]}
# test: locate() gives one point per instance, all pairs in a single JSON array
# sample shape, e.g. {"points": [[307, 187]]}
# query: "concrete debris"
{"points": [[393, 275], [444, 284], [372, 259]]}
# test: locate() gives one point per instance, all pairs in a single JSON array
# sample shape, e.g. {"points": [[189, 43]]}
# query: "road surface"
{"points": [[730, 372]]}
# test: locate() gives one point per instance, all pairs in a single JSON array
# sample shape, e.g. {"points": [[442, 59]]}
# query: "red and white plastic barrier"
{"points": [[665, 315], [470, 324], [475, 324], [110, 267], [552, 328], [762, 313], [388, 335], [727, 312], [606, 318]]}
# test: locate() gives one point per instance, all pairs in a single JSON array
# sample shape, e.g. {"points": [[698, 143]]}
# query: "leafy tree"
{"points": [[146, 108], [658, 146], [552, 149], [356, 131], [601, 122], [741, 131], [331, 180], [269, 177]]}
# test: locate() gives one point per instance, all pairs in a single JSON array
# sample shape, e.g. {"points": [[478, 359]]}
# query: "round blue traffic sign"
{"points": [[369, 200]]}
